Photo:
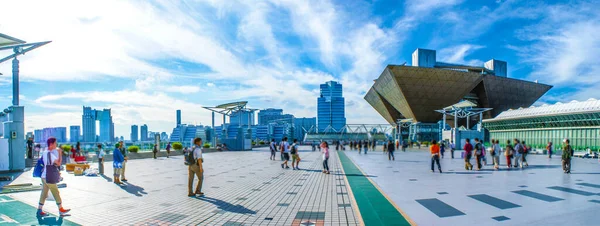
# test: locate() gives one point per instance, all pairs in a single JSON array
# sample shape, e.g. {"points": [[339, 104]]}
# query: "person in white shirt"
{"points": [[100, 154], [196, 169], [496, 153], [285, 152], [52, 157]]}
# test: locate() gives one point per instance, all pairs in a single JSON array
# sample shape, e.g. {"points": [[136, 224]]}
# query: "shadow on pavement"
{"points": [[50, 220], [134, 190], [227, 206], [108, 179]]}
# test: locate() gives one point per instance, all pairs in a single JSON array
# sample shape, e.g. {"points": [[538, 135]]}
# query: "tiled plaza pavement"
{"points": [[242, 188], [538, 195]]}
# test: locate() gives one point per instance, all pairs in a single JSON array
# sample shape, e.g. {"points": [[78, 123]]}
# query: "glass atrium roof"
{"points": [[573, 107], [6, 40]]}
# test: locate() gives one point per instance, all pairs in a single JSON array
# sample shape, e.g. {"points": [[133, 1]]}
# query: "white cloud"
{"points": [[457, 54], [564, 52], [210, 84]]}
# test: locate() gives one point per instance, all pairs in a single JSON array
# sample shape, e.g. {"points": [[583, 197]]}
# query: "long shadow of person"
{"points": [[237, 208], [108, 179], [49, 220], [134, 190]]}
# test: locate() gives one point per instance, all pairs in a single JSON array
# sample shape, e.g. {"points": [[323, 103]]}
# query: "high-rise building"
{"points": [[134, 133], [37, 135], [304, 125], [178, 117], [164, 136], [74, 133], [330, 107], [270, 115], [242, 118], [60, 133], [144, 133], [107, 127]]}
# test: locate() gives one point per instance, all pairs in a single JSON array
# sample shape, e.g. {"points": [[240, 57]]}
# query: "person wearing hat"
{"points": [[118, 160]]}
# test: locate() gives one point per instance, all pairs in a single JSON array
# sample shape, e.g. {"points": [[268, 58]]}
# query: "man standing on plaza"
{"points": [[566, 156], [468, 153], [30, 148], [518, 152], [273, 147], [285, 152], [195, 169], [452, 148], [390, 151], [478, 152], [123, 151]]}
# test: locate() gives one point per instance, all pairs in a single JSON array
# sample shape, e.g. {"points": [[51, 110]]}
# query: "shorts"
{"points": [[295, 157], [117, 171], [286, 156]]}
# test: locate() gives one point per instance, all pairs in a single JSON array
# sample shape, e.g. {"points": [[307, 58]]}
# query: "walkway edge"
{"points": [[410, 221], [350, 193]]}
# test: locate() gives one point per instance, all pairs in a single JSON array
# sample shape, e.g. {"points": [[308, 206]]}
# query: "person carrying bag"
{"points": [[50, 177]]}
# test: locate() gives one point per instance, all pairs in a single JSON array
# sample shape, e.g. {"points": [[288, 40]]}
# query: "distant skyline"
{"points": [[146, 59]]}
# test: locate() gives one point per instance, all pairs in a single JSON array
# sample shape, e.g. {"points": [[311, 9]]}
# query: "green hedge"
{"points": [[206, 145], [66, 149], [177, 146], [133, 149]]}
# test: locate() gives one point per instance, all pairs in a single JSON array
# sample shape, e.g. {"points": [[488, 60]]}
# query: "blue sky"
{"points": [[145, 59]]}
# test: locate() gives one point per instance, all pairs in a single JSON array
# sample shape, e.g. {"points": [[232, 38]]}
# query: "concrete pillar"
{"points": [[15, 71]]}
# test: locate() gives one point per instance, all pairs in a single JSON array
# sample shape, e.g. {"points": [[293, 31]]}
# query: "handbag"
{"points": [[39, 167], [52, 174]]}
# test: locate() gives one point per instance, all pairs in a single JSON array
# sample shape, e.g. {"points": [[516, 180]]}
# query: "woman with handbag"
{"points": [[52, 158]]}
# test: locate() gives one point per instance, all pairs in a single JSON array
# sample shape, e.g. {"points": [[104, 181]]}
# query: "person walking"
{"points": [[442, 148], [30, 147], [468, 153], [390, 151], [100, 155], [195, 169], [495, 153], [508, 152], [52, 158], [360, 146], [325, 149], [566, 156], [365, 146], [435, 155], [385, 146], [273, 147], [374, 145], [478, 153], [517, 153], [168, 149], [118, 160], [404, 145], [285, 152], [452, 148], [155, 150], [397, 144], [549, 149], [295, 155], [524, 155], [124, 152]]}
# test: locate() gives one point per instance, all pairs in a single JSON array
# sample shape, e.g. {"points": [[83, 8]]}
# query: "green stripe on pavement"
{"points": [[374, 207], [18, 213]]}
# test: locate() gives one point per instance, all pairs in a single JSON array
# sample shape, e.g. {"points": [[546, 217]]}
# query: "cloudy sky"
{"points": [[145, 59]]}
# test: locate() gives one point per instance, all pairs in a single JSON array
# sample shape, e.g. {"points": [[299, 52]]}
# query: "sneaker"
{"points": [[63, 211], [293, 168], [282, 165], [191, 195], [200, 193], [41, 213], [297, 168], [124, 180], [432, 171], [287, 167], [440, 170]]}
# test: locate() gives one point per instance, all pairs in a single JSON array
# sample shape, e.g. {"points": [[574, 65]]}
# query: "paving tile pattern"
{"points": [[261, 193]]}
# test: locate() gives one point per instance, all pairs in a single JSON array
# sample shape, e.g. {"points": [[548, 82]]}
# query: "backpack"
{"points": [[478, 149], [521, 149], [294, 149], [189, 158]]}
